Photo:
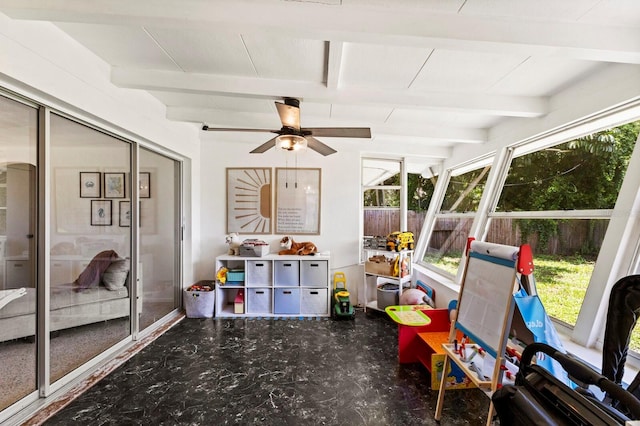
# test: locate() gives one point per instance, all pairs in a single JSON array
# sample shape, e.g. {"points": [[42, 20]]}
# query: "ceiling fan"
{"points": [[292, 137]]}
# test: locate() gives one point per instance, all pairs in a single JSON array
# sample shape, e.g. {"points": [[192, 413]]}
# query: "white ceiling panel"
{"points": [[198, 51], [543, 76], [230, 103], [448, 6], [385, 67], [121, 46], [287, 58], [442, 118], [449, 70], [564, 10], [424, 75], [371, 114], [619, 12]]}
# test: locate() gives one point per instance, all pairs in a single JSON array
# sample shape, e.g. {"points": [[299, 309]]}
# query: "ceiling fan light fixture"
{"points": [[291, 142]]}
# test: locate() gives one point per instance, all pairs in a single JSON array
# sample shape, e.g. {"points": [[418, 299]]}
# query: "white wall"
{"points": [[340, 201]]}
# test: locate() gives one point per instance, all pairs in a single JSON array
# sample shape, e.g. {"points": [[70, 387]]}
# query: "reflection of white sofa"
{"points": [[101, 296], [68, 309]]}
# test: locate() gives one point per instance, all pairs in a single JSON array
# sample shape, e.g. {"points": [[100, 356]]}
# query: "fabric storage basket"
{"points": [[199, 304], [235, 277]]}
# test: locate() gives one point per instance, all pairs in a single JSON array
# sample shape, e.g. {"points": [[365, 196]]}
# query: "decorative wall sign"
{"points": [[249, 200], [297, 201], [100, 212], [90, 185], [114, 186]]}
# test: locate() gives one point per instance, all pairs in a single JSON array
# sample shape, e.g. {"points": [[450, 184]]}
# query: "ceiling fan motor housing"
{"points": [[292, 102]]}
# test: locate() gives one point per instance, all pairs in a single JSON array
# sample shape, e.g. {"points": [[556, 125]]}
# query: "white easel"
{"points": [[485, 310]]}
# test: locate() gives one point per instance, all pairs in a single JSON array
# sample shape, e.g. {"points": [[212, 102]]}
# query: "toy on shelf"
{"points": [[397, 241], [221, 275], [289, 246], [233, 239]]}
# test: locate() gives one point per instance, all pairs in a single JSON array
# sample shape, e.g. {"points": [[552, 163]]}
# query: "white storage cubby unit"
{"points": [[376, 273], [275, 286]]}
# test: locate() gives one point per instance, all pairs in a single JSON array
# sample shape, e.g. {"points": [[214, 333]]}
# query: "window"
{"points": [[559, 199], [385, 207], [454, 219]]}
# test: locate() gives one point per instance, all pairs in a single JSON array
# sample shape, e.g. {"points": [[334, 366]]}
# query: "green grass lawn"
{"points": [[561, 283]]}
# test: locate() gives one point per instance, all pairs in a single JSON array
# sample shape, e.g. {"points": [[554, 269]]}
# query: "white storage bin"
{"points": [[259, 301], [258, 273], [199, 304], [313, 273], [313, 301], [287, 273]]}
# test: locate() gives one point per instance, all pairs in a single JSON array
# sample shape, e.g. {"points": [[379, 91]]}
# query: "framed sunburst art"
{"points": [[249, 200]]}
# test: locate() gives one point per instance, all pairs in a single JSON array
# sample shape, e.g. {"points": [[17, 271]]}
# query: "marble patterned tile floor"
{"points": [[272, 371]]}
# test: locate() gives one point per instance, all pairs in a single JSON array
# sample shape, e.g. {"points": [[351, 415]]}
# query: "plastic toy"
{"points": [[397, 241], [342, 307]]}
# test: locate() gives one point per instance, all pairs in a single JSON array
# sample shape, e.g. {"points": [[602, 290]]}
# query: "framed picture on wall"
{"points": [[145, 184], [114, 185], [124, 213], [100, 212], [298, 201], [90, 185], [249, 200]]}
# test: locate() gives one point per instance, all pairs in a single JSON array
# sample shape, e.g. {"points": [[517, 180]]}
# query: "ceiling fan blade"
{"points": [[319, 147], [265, 146], [339, 132], [228, 129], [289, 115]]}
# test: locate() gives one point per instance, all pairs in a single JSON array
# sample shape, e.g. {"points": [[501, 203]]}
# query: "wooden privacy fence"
{"points": [[571, 236]]}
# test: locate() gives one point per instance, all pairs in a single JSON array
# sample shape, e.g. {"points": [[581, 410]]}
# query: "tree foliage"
{"points": [[585, 173]]}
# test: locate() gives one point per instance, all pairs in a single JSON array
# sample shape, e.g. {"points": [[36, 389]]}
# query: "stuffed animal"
{"points": [[233, 239], [414, 296], [302, 249]]}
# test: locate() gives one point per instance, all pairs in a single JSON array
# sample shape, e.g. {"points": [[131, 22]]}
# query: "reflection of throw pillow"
{"points": [[91, 275], [115, 277]]}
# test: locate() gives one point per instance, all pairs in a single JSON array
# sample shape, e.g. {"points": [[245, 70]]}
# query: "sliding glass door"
{"points": [[73, 264], [18, 162], [159, 236], [90, 244]]}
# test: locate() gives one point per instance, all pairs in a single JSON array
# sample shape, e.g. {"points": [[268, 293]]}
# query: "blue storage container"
{"points": [[235, 277], [287, 301]]}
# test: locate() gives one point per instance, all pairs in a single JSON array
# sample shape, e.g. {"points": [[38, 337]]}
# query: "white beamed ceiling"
{"points": [[425, 75]]}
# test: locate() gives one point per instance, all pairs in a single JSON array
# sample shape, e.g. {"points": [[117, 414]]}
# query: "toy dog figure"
{"points": [[301, 249], [233, 239]]}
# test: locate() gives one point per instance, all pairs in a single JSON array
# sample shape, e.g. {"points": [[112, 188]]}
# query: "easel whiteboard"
{"points": [[485, 306]]}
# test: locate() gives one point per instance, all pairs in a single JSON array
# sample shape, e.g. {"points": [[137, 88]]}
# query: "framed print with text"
{"points": [[249, 200], [297, 201]]}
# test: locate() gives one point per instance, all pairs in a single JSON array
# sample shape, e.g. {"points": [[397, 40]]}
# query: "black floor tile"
{"points": [[272, 371]]}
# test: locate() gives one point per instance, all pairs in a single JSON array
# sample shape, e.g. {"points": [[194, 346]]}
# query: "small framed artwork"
{"points": [[145, 184], [125, 213], [90, 185], [114, 185], [100, 212]]}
